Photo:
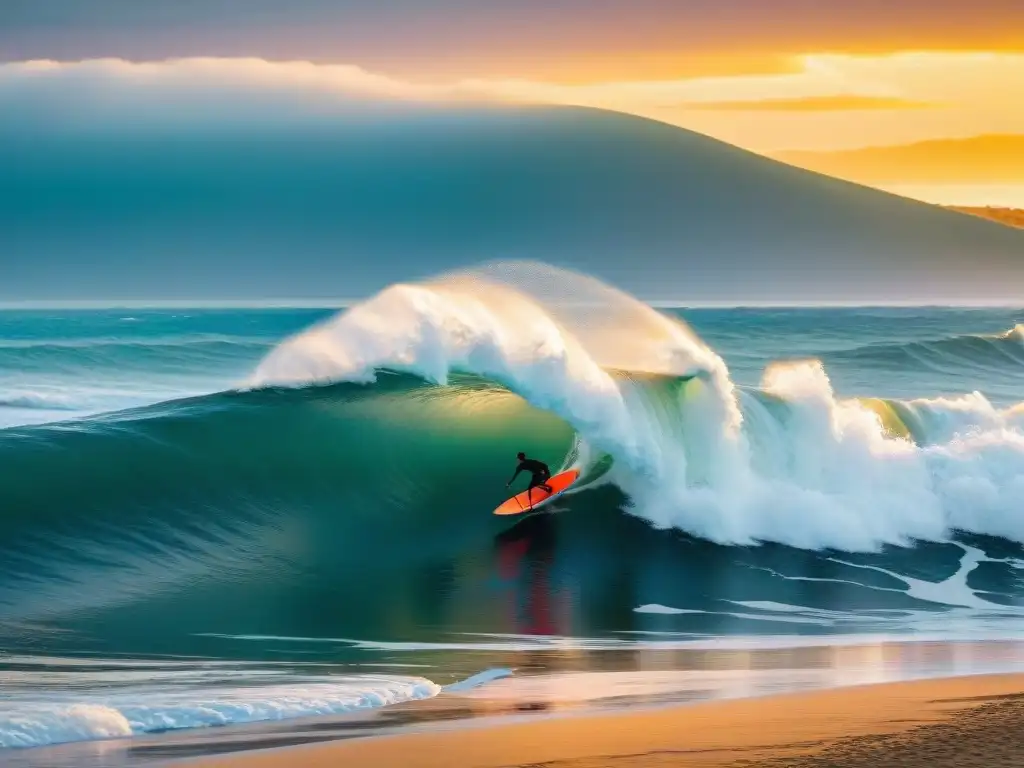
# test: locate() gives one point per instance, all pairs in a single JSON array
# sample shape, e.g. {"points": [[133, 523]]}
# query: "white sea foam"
{"points": [[34, 726], [791, 463], [33, 722]]}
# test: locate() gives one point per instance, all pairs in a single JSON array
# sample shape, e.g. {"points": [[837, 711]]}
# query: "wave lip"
{"points": [[550, 335]]}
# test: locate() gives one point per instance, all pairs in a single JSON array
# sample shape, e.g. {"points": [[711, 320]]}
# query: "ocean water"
{"points": [[217, 516]]}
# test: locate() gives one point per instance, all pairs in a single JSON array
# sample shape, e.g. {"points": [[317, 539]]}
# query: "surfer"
{"points": [[539, 471]]}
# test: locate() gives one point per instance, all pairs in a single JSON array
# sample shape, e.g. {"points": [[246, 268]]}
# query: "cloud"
{"points": [[581, 40], [201, 92], [137, 79], [827, 102]]}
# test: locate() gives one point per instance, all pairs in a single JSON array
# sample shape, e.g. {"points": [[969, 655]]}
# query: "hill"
{"points": [[279, 197]]}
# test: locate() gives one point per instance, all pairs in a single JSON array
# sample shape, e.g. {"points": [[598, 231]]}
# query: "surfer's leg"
{"points": [[543, 483]]}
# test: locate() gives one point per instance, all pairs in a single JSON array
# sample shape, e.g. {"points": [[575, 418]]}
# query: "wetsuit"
{"points": [[538, 469]]}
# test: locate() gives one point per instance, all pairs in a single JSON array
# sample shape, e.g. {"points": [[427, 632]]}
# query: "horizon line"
{"points": [[102, 304]]}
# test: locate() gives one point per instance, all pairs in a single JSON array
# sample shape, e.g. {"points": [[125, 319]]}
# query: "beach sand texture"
{"points": [[962, 722]]}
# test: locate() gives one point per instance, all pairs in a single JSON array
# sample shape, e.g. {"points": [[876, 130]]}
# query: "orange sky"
{"points": [[952, 122]]}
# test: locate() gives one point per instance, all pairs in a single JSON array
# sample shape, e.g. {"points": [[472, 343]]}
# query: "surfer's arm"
{"points": [[518, 470]]}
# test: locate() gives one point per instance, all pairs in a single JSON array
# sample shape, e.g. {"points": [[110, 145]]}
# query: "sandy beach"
{"points": [[968, 721]]}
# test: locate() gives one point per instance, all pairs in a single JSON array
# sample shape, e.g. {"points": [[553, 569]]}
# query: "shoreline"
{"points": [[970, 721], [555, 685]]}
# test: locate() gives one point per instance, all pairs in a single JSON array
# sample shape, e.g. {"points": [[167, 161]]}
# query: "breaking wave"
{"points": [[788, 462]]}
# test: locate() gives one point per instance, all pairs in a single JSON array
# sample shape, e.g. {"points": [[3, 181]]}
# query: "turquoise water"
{"points": [[259, 502]]}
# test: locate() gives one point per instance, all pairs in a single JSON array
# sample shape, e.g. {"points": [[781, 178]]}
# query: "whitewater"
{"points": [[788, 461], [221, 516]]}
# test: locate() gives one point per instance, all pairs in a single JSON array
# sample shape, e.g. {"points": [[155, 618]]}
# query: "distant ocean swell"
{"points": [[154, 355], [1001, 353], [97, 374]]}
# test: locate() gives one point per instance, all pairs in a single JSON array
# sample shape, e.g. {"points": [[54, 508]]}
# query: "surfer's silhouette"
{"points": [[539, 471]]}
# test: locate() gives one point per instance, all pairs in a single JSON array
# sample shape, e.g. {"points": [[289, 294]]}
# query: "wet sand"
{"points": [[963, 722]]}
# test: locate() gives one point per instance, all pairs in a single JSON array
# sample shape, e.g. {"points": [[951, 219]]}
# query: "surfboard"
{"points": [[528, 501]]}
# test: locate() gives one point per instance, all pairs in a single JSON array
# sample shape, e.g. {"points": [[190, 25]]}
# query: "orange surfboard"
{"points": [[527, 501]]}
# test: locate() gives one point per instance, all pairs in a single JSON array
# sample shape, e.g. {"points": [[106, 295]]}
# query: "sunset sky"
{"points": [[922, 97]]}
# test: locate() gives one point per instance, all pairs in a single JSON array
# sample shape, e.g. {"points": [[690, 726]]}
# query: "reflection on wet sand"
{"points": [[544, 682], [524, 557]]}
